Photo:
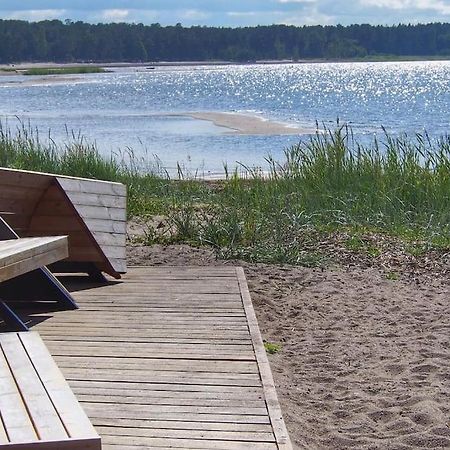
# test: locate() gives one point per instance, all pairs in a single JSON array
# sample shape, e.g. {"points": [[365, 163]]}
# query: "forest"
{"points": [[68, 41]]}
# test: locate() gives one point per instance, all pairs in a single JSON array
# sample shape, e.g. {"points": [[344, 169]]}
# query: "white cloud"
{"points": [[296, 1], [438, 6], [35, 14], [115, 15], [194, 14]]}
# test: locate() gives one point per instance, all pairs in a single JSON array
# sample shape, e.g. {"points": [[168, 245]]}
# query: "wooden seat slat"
{"points": [[73, 417], [14, 250], [40, 408], [15, 425], [19, 256]]}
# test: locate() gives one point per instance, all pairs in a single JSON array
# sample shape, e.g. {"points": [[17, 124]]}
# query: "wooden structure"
{"points": [[91, 212], [19, 256], [23, 275], [37, 408], [171, 357]]}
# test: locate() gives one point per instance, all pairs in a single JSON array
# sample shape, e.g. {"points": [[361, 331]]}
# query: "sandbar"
{"points": [[247, 124], [41, 81]]}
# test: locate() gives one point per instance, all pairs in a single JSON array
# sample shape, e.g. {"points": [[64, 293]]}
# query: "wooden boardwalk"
{"points": [[169, 358]]}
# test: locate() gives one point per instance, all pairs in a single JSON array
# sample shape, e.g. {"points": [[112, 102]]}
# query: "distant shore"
{"points": [[8, 69]]}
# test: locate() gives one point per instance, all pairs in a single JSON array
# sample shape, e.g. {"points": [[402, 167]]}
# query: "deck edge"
{"points": [[273, 405]]}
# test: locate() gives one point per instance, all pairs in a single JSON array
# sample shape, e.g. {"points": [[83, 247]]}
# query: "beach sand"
{"points": [[247, 124], [364, 361]]}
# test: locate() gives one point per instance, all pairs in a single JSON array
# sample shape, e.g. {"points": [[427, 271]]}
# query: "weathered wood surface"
{"points": [[19, 256], [37, 408], [91, 212], [169, 358]]}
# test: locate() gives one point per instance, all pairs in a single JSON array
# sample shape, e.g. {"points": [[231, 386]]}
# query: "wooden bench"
{"points": [[38, 410], [91, 213], [19, 256], [23, 275]]}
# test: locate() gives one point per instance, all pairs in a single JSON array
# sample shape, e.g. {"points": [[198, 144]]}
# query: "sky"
{"points": [[231, 12]]}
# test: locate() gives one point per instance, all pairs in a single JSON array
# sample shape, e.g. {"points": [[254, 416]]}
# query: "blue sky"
{"points": [[231, 12]]}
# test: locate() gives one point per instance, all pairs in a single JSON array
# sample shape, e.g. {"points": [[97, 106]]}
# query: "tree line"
{"points": [[53, 40]]}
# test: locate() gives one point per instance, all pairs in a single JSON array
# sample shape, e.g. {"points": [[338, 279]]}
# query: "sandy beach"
{"points": [[247, 124], [364, 361]]}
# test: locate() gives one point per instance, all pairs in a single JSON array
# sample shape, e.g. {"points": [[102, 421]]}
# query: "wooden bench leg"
{"points": [[11, 318]]}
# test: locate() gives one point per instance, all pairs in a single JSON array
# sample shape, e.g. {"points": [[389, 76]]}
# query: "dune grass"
{"points": [[326, 185]]}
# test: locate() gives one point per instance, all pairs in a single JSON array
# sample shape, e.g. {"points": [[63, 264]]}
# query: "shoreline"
{"points": [[10, 68]]}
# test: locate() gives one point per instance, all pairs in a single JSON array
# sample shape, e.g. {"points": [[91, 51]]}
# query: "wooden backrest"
{"points": [[92, 213]]}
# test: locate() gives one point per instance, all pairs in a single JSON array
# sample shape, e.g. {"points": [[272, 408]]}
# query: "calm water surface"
{"points": [[132, 108]]}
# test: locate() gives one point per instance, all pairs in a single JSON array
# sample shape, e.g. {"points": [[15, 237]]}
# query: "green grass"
{"points": [[62, 70], [271, 349], [326, 186]]}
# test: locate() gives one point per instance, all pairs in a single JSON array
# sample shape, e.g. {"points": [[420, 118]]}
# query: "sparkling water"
{"points": [[135, 109]]}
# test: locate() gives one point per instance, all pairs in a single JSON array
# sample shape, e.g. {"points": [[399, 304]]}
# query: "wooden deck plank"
{"points": [[166, 359], [184, 425], [148, 442], [251, 436]]}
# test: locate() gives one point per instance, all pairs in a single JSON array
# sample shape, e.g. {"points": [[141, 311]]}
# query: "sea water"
{"points": [[140, 111]]}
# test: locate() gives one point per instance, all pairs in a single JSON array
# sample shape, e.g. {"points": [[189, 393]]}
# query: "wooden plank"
{"points": [[40, 408], [188, 434], [14, 415], [234, 321], [147, 336], [120, 398], [68, 444], [276, 418], [183, 425], [72, 416], [89, 199], [186, 328], [91, 186], [14, 250], [151, 349], [212, 407], [147, 442], [165, 387], [108, 411], [108, 239], [144, 376], [32, 258], [49, 225], [24, 179], [50, 208], [159, 364], [204, 332], [89, 253]]}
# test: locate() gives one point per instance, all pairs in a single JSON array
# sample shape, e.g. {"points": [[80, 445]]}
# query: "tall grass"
{"points": [[327, 184]]}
